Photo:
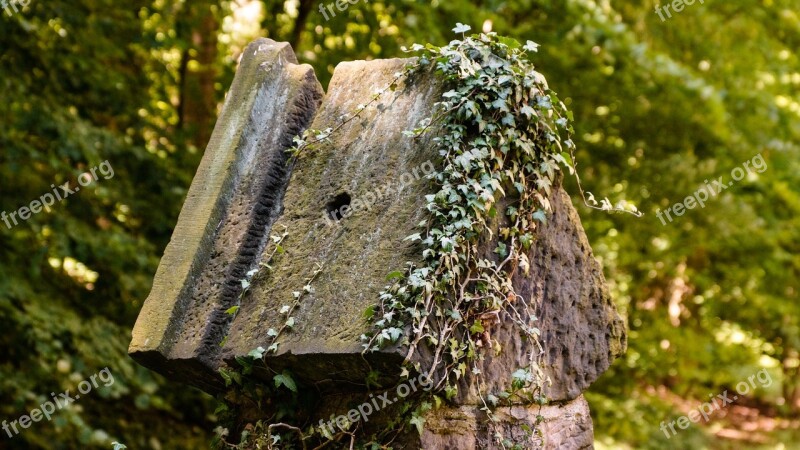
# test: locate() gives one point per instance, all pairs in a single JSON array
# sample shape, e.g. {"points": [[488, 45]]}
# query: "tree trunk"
{"points": [[198, 106]]}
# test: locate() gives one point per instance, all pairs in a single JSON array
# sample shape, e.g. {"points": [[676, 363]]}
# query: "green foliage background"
{"points": [[659, 107]]}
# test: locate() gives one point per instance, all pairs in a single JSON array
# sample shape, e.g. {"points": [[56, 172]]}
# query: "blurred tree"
{"points": [[197, 29], [82, 85]]}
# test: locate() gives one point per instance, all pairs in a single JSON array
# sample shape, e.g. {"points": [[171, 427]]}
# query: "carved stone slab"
{"points": [[231, 205], [346, 205]]}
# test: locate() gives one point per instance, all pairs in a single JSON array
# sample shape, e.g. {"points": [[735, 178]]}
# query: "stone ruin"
{"points": [[247, 189]]}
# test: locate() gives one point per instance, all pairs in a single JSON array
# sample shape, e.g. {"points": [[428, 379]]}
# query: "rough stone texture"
{"points": [[567, 426], [245, 191], [581, 329], [581, 332], [223, 226], [356, 252]]}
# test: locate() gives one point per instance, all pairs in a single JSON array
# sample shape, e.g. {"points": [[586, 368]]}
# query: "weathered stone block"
{"points": [[230, 207], [246, 191]]}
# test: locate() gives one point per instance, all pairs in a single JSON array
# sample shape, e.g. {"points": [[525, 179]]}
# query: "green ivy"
{"points": [[502, 134]]}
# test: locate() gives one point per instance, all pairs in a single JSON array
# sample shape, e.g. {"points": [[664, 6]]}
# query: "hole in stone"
{"points": [[334, 207]]}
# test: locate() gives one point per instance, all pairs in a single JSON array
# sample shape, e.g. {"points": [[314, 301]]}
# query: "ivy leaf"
{"points": [[565, 159], [512, 43], [232, 310], [501, 250], [246, 362], [531, 46], [476, 327], [272, 333], [285, 379], [413, 237], [500, 104], [528, 111], [395, 333], [369, 313], [419, 423], [257, 353], [522, 375], [544, 102], [526, 240], [460, 28], [394, 275], [447, 244], [450, 392]]}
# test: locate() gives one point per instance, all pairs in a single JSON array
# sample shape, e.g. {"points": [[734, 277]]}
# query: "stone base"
{"points": [[567, 426]]}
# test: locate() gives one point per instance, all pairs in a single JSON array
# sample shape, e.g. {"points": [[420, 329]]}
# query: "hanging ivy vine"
{"points": [[502, 137]]}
